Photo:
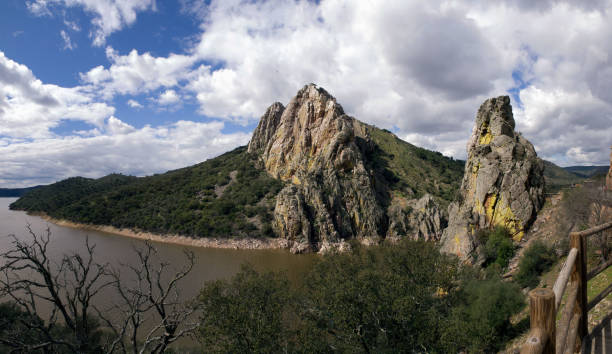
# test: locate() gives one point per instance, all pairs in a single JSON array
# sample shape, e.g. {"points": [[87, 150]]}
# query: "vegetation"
{"points": [[497, 248], [557, 177], [401, 298], [221, 197], [227, 196], [412, 171], [536, 259]]}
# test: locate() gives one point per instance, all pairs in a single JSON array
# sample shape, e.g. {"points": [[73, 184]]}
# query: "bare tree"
{"points": [[33, 281], [154, 299]]}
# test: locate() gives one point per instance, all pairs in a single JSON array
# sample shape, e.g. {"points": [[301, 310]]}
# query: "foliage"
{"points": [[245, 314], [558, 177], [497, 246], [412, 171], [221, 197], [480, 321], [536, 259], [386, 299]]}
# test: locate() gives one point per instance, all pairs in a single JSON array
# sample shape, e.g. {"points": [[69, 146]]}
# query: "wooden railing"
{"points": [[545, 336]]}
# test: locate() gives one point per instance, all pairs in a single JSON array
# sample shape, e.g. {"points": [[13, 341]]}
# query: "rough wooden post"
{"points": [[579, 277], [542, 316]]}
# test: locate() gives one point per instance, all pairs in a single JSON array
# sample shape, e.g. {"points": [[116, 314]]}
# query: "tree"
{"points": [[31, 279], [246, 314]]}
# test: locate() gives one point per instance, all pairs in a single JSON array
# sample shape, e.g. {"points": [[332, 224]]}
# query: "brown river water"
{"points": [[211, 263]]}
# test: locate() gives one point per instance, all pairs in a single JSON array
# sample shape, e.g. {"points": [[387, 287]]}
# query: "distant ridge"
{"points": [[15, 192]]}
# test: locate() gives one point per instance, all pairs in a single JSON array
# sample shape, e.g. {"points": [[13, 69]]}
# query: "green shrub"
{"points": [[537, 259], [497, 246], [481, 321]]}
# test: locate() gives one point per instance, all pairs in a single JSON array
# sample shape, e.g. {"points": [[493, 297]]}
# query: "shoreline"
{"points": [[241, 243]]}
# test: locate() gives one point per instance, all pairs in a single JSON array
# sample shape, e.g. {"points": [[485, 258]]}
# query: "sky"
{"points": [[92, 87]]}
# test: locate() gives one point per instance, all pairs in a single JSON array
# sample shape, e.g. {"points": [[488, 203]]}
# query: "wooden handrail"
{"points": [[544, 303], [559, 287], [600, 268], [566, 319], [593, 230], [602, 295]]}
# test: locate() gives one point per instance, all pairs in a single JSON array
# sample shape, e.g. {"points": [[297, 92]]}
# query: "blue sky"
{"points": [[90, 87]]}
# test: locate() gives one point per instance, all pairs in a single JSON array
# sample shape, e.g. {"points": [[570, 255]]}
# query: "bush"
{"points": [[481, 322], [497, 246], [537, 259]]}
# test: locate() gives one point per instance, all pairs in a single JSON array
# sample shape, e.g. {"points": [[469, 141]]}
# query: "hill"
{"points": [[14, 192], [558, 177], [237, 194], [588, 171]]}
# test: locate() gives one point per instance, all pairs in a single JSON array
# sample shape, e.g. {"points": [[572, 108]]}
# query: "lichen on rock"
{"points": [[503, 182]]}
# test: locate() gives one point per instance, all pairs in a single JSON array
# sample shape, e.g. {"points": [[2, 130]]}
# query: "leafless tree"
{"points": [[586, 206], [33, 281], [154, 299]]}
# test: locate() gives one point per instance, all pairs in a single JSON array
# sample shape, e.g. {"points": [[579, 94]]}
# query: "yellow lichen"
{"points": [[295, 180], [486, 137]]}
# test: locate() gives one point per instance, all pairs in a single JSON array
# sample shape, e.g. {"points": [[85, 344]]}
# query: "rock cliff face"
{"points": [[331, 194], [503, 182]]}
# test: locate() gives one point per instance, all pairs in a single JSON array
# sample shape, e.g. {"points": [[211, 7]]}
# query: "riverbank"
{"points": [[238, 243]]}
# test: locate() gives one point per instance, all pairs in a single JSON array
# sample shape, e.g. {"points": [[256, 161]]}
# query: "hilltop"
{"points": [[361, 181]]}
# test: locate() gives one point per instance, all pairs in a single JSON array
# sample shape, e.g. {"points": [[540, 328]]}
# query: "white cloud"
{"points": [[109, 15], [122, 149], [68, 44], [72, 25], [168, 97], [134, 104], [30, 108], [137, 73]]}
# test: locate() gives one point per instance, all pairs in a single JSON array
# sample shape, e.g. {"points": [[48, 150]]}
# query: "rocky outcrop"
{"points": [[419, 219], [503, 182], [331, 194]]}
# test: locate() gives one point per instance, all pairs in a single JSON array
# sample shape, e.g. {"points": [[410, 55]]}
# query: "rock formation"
{"points": [[503, 182], [331, 194]]}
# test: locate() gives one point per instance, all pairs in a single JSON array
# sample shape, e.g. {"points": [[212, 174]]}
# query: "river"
{"points": [[211, 263]]}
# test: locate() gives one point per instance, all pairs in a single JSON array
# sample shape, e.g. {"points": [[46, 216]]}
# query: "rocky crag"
{"points": [[334, 191], [503, 182]]}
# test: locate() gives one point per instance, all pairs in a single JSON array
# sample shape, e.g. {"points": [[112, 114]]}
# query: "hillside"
{"points": [[233, 195], [558, 177], [588, 171]]}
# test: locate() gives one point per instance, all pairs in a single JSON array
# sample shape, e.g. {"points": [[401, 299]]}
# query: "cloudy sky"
{"points": [[90, 87]]}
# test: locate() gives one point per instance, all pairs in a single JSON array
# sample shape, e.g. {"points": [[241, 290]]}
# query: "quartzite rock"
{"points": [[503, 182], [330, 196]]}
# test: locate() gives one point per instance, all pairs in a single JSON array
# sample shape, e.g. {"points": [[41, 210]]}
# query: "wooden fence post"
{"points": [[542, 314], [579, 277]]}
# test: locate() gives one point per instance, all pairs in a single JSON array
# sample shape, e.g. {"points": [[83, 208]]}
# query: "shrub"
{"points": [[537, 259], [497, 246]]}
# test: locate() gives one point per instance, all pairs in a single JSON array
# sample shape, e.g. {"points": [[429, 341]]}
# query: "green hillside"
{"points": [[227, 196], [223, 196], [588, 171], [558, 177], [414, 171]]}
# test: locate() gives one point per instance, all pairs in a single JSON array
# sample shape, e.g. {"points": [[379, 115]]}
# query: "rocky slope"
{"points": [[503, 182], [333, 193]]}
